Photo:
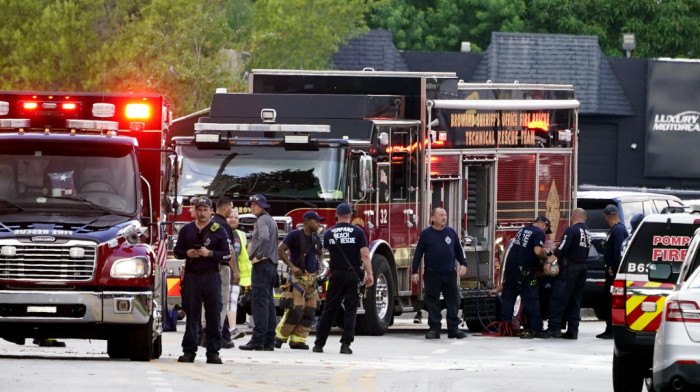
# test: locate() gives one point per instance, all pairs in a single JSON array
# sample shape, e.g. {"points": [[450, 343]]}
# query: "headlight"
{"points": [[134, 267]]}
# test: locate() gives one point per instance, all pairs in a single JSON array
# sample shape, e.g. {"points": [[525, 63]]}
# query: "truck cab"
{"points": [[79, 219]]}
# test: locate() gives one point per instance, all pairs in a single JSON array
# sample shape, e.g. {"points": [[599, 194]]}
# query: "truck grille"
{"points": [[47, 262]]}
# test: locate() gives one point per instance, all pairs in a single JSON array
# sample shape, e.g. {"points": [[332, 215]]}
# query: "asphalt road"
{"points": [[402, 360]]}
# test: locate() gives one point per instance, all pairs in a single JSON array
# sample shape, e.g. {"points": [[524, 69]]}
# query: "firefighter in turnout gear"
{"points": [[299, 294]]}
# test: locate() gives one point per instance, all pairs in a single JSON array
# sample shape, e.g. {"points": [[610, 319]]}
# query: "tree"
{"points": [[665, 28], [303, 34]]}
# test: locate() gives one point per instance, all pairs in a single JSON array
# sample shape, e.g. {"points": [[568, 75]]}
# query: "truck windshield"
{"points": [[269, 170], [61, 177]]}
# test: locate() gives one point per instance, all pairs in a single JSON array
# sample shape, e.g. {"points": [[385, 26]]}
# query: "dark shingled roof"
{"points": [[551, 58], [372, 50]]}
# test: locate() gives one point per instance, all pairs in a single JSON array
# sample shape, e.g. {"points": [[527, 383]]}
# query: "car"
{"points": [[676, 361], [630, 205], [637, 302]]}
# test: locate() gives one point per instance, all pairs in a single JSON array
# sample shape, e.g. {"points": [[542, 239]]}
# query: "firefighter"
{"points": [[263, 250], [523, 259], [347, 246], [441, 247], [300, 294], [612, 254], [228, 270], [244, 269], [205, 245], [567, 286]]}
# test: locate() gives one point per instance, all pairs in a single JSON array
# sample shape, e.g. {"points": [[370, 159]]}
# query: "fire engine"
{"points": [[394, 145], [81, 176]]}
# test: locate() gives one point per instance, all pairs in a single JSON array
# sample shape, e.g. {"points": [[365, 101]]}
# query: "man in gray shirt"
{"points": [[263, 255]]}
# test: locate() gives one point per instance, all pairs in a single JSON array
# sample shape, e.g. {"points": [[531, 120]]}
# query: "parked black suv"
{"points": [[629, 204]]}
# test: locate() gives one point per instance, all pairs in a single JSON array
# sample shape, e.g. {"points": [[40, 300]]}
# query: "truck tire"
{"points": [[117, 346], [475, 326], [141, 342], [379, 300], [157, 347], [628, 374]]}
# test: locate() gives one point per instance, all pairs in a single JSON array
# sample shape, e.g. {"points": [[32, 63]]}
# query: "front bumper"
{"points": [[52, 307]]}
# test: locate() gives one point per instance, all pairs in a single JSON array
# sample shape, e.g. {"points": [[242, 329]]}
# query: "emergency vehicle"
{"points": [[81, 176], [638, 296], [394, 145]]}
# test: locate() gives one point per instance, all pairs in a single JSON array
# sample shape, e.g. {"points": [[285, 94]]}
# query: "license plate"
{"points": [[41, 309]]}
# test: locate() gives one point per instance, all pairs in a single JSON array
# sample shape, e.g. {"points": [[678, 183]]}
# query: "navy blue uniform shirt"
{"points": [[612, 253], [218, 218], [575, 243], [216, 241], [441, 248], [348, 237], [298, 242], [522, 251]]}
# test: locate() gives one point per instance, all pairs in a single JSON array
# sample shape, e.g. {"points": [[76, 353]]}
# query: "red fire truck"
{"points": [[394, 145], [81, 176]]}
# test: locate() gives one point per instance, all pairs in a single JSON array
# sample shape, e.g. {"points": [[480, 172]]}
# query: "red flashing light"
{"points": [[30, 105], [138, 110], [438, 143], [69, 106]]}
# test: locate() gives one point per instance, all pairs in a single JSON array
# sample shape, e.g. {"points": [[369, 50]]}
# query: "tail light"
{"points": [[617, 299], [137, 110], [687, 311]]}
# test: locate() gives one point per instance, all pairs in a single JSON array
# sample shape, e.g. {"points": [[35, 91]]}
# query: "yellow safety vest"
{"points": [[245, 267]]}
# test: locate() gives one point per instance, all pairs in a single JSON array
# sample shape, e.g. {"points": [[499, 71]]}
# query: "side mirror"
{"points": [[366, 173], [660, 272]]}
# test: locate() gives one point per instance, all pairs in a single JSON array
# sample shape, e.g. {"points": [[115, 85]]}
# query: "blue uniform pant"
{"points": [[342, 288], [436, 283], [263, 304], [529, 296], [202, 288], [567, 290]]}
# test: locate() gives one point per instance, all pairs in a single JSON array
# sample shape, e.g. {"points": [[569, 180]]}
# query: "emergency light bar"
{"points": [[318, 128], [91, 124], [14, 123], [504, 104]]}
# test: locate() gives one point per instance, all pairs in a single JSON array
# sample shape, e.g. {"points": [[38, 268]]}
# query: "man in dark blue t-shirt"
{"points": [[439, 247], [567, 287], [300, 294], [347, 246], [523, 259], [612, 254]]}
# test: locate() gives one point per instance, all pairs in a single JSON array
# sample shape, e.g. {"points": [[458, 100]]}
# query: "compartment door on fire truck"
{"points": [[398, 203], [445, 188]]}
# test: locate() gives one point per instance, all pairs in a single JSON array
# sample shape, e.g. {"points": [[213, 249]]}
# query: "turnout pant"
{"points": [[446, 284], [528, 295], [296, 322], [342, 288], [202, 288], [567, 290]]}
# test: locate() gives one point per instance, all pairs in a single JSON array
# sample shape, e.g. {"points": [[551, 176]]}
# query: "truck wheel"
{"points": [[157, 347], [628, 374], [475, 326], [117, 347], [141, 342], [378, 301]]}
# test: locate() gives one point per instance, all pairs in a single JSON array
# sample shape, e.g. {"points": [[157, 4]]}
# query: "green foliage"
{"points": [[303, 34], [665, 28]]}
